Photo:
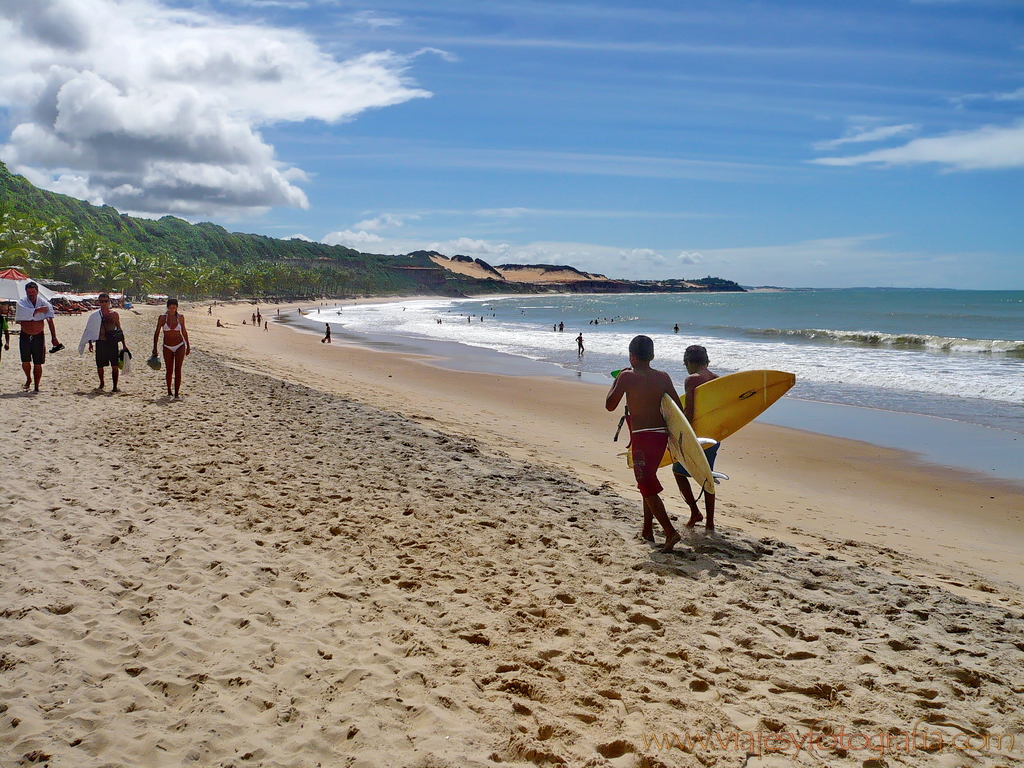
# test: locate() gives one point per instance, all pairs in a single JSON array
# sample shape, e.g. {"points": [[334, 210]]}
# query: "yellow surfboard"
{"points": [[727, 403], [683, 445]]}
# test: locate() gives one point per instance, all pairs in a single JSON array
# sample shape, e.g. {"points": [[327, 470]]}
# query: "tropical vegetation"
{"points": [[59, 238]]}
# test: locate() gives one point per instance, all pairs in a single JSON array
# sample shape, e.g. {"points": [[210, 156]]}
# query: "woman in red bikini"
{"points": [[176, 344]]}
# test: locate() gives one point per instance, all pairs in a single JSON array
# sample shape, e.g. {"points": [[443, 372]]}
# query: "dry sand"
{"points": [[282, 569]]}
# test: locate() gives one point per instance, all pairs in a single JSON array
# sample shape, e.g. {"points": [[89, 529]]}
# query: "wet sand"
{"points": [[328, 555]]}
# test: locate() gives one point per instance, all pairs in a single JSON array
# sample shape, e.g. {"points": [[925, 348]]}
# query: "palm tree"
{"points": [[56, 250], [193, 279], [17, 238], [107, 271], [223, 283], [139, 272]]}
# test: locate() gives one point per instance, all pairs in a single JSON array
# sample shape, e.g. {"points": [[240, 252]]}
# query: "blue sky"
{"points": [[786, 143]]}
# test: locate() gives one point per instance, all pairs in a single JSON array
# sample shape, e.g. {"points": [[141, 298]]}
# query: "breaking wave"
{"points": [[918, 342]]}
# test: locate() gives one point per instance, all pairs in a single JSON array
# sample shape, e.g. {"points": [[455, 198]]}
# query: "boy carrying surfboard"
{"points": [[643, 388], [696, 361]]}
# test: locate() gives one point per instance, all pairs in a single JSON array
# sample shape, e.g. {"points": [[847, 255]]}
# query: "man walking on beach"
{"points": [[579, 345], [643, 388], [109, 338], [327, 338], [31, 312], [695, 358]]}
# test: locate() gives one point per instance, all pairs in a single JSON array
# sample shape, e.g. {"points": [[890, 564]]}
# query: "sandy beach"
{"points": [[325, 555]]}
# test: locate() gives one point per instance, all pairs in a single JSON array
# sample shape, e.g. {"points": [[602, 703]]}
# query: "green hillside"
{"points": [[56, 237], [200, 259]]}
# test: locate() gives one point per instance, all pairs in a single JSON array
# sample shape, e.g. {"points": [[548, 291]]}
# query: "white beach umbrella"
{"points": [[12, 286]]}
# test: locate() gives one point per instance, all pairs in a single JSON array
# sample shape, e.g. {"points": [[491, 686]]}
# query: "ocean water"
{"points": [[953, 355]]}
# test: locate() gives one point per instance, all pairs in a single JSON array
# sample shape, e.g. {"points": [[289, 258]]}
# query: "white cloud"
{"points": [[507, 213], [299, 236], [351, 239], [375, 20], [987, 148], [1017, 95], [467, 246], [160, 108], [862, 135], [587, 163], [382, 221]]}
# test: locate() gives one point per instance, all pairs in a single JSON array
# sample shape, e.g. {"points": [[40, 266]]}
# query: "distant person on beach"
{"points": [[643, 388], [561, 326], [219, 323], [106, 345], [176, 344], [6, 334], [327, 337], [266, 326], [31, 313], [579, 344], [675, 328], [695, 358], [259, 318]]}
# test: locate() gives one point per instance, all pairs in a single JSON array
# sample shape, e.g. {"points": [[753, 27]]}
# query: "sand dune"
{"points": [[534, 274], [267, 574]]}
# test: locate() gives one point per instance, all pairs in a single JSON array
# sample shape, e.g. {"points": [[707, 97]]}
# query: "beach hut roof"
{"points": [[12, 286]]}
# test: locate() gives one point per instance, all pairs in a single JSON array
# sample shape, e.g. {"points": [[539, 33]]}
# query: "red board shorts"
{"points": [[648, 449]]}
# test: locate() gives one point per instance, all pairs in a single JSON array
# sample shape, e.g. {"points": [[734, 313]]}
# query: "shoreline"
{"points": [[984, 453], [825, 489], [283, 569]]}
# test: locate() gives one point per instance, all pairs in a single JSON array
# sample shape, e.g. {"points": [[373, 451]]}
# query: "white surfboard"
{"points": [[685, 447]]}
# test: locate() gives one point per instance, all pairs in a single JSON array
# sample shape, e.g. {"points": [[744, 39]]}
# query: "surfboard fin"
{"points": [[719, 476], [706, 442]]}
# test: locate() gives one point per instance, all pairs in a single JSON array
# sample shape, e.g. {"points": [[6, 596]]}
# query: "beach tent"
{"points": [[12, 286]]}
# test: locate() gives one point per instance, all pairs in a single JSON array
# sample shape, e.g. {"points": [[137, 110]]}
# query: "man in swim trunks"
{"points": [[108, 350], [32, 311], [643, 388], [695, 358]]}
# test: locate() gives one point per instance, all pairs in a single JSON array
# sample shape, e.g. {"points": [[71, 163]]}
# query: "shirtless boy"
{"points": [[696, 361], [643, 388]]}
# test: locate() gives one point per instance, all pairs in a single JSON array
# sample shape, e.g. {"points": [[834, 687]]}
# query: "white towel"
{"points": [[91, 332], [26, 310]]}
